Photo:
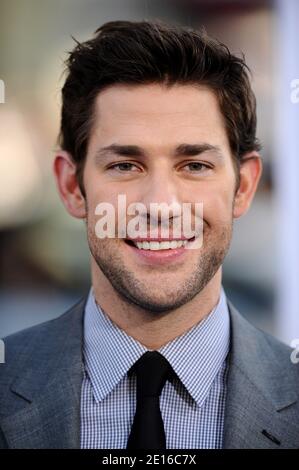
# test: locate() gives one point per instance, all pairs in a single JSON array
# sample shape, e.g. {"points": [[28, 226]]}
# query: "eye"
{"points": [[123, 166], [197, 167]]}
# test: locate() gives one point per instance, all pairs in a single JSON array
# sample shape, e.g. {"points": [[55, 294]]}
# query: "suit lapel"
{"points": [[260, 393], [50, 389], [51, 421]]}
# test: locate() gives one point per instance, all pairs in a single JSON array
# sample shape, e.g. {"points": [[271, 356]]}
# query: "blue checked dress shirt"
{"points": [[192, 407]]}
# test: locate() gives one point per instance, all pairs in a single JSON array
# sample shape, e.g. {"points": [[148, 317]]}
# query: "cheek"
{"points": [[96, 187], [217, 206], [98, 193]]}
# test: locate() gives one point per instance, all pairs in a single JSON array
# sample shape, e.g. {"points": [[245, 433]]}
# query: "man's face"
{"points": [[155, 122]]}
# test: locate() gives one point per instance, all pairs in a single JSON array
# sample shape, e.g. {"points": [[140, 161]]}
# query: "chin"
{"points": [[159, 305]]}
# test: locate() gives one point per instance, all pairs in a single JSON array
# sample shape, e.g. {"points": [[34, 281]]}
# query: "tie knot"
{"points": [[152, 371]]}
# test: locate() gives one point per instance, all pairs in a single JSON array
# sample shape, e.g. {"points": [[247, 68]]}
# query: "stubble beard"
{"points": [[107, 254]]}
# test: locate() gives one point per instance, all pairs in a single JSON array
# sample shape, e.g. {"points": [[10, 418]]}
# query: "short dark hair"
{"points": [[125, 52]]}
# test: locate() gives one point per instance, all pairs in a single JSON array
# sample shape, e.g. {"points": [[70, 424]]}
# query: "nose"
{"points": [[161, 187], [160, 195]]}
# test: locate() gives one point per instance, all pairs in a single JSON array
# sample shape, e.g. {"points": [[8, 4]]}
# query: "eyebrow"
{"points": [[187, 150]]}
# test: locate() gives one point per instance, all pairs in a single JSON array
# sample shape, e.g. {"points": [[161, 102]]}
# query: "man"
{"points": [[155, 356]]}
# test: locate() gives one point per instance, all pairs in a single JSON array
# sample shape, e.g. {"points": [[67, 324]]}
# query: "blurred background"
{"points": [[43, 251]]}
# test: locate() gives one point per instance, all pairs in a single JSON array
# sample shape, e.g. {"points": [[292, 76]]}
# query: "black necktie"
{"points": [[152, 371]]}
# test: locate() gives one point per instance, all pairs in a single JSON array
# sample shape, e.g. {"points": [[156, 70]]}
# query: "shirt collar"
{"points": [[196, 356]]}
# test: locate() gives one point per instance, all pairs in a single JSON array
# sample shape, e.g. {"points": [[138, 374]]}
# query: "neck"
{"points": [[154, 330]]}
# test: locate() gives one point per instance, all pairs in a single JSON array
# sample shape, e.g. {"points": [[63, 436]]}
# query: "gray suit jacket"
{"points": [[40, 386]]}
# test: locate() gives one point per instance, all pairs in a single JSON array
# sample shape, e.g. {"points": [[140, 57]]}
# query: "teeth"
{"points": [[161, 245]]}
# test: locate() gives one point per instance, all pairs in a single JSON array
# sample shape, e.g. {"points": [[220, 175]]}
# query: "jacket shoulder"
{"points": [[37, 343], [260, 354]]}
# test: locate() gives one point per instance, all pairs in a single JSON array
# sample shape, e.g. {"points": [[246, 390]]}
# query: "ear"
{"points": [[250, 173], [65, 175]]}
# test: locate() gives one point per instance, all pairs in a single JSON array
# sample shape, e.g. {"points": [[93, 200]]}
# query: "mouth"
{"points": [[157, 245], [158, 253]]}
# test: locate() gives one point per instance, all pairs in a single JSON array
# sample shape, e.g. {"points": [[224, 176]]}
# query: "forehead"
{"points": [[157, 111]]}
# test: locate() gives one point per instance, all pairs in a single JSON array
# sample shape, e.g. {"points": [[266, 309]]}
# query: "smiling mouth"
{"points": [[159, 245]]}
